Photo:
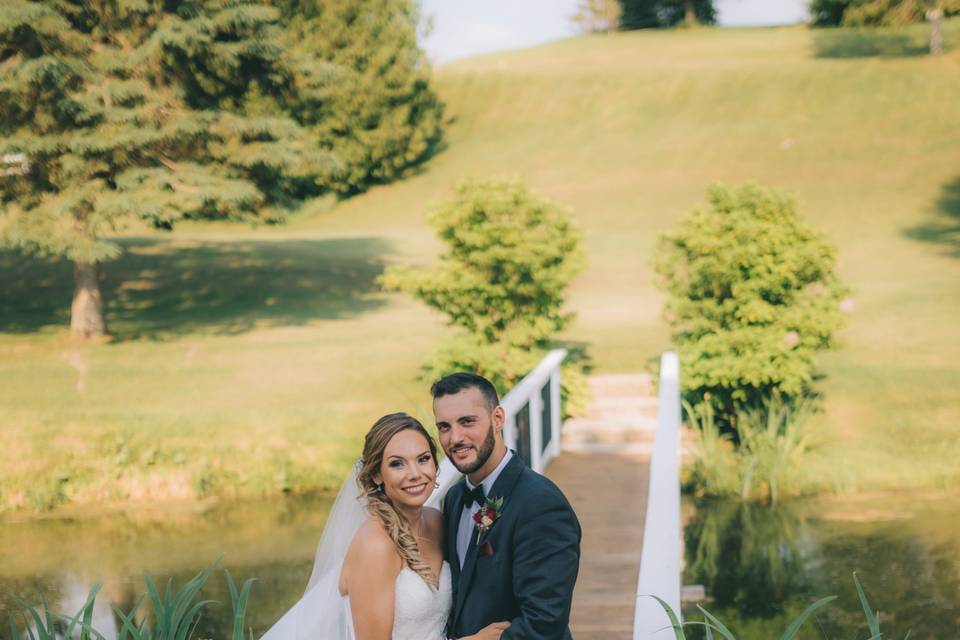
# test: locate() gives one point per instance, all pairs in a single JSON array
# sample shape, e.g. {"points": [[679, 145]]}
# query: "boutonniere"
{"points": [[486, 515]]}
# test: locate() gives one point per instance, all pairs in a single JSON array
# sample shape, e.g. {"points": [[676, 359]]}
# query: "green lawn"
{"points": [[249, 361]]}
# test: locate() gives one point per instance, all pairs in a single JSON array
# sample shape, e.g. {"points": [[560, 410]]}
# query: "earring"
{"points": [[436, 485], [380, 487]]}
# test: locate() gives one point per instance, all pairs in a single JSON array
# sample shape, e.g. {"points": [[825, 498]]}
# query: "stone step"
{"points": [[621, 384], [630, 422], [612, 436], [624, 448]]}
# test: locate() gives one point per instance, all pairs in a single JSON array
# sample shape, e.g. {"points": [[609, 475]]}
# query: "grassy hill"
{"points": [[251, 361]]}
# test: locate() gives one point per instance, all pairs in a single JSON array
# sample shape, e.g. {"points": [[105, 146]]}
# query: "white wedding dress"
{"points": [[420, 612]]}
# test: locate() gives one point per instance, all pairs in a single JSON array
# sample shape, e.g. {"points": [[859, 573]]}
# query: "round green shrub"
{"points": [[752, 296]]}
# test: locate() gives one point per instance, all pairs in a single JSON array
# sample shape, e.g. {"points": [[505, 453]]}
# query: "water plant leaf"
{"points": [[187, 624], [674, 621], [85, 614], [794, 627], [719, 626], [239, 602], [14, 631], [130, 626], [43, 633], [872, 623]]}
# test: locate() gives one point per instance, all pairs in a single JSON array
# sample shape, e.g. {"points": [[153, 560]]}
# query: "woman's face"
{"points": [[408, 471]]}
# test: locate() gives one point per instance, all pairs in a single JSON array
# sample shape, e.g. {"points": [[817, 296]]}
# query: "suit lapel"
{"points": [[453, 509], [501, 488]]}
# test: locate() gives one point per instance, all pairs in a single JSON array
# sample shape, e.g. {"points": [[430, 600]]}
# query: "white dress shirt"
{"points": [[466, 527]]}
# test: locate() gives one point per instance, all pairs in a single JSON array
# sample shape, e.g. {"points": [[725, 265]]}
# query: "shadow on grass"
{"points": [[162, 288], [944, 229], [869, 43]]}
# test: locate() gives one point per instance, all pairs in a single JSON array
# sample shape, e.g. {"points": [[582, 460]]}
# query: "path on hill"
{"points": [[604, 471]]}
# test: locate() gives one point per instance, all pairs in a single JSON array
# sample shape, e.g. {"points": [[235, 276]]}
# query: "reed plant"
{"points": [[175, 614], [712, 625], [763, 458]]}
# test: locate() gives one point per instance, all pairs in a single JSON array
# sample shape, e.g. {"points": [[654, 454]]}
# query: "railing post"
{"points": [[660, 559], [555, 419], [536, 431]]}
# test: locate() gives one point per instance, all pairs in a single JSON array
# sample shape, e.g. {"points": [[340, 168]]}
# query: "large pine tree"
{"points": [[365, 91], [149, 109]]}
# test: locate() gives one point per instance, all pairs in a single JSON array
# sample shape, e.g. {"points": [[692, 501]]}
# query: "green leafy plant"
{"points": [[752, 296], [502, 280], [765, 462], [711, 624], [175, 614]]}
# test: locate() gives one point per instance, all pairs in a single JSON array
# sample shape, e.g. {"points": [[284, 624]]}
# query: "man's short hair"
{"points": [[457, 382]]}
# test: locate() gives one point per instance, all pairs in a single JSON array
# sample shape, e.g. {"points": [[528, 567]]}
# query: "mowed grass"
{"points": [[251, 361]]}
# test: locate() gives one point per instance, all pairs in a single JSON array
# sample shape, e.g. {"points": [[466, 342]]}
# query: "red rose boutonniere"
{"points": [[484, 518]]}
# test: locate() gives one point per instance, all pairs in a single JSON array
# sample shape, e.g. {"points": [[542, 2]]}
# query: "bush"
{"points": [[510, 257], [752, 296]]}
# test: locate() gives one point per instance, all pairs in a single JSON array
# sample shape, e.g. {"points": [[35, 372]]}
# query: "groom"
{"points": [[511, 537]]}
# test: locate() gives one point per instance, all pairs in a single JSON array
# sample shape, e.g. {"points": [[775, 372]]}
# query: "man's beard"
{"points": [[483, 454]]}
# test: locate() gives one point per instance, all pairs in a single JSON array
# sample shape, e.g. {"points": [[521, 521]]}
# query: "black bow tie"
{"points": [[476, 495]]}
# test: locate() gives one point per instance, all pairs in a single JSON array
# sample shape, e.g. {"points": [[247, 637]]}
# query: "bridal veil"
{"points": [[320, 614]]}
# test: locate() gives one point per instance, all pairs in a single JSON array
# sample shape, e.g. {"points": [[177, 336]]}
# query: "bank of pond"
{"points": [[760, 566]]}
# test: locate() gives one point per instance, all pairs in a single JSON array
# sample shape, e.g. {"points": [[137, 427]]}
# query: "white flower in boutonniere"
{"points": [[484, 518]]}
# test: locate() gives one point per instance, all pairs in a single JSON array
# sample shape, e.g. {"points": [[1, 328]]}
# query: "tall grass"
{"points": [[764, 458], [175, 615], [712, 625]]}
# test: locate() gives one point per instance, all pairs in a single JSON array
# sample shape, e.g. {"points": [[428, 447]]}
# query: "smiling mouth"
{"points": [[461, 451], [416, 489]]}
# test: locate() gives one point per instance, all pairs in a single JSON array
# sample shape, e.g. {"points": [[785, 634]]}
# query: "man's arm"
{"points": [[546, 560]]}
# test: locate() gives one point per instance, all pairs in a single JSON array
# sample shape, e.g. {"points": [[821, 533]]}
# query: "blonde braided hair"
{"points": [[379, 505]]}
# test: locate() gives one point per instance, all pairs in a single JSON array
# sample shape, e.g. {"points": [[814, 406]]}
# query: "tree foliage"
{"points": [[372, 103], [598, 16], [658, 14], [164, 111], [752, 296], [510, 257], [852, 13], [140, 109]]}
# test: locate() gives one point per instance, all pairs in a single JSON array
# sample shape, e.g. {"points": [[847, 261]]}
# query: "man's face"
{"points": [[469, 431]]}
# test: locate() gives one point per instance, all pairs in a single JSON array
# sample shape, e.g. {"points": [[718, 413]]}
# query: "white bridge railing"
{"points": [[532, 428], [660, 559]]}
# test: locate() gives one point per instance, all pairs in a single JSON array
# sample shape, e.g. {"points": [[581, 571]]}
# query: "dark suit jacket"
{"points": [[527, 571]]}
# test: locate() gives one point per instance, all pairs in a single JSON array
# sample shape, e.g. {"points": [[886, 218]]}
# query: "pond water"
{"points": [[762, 566], [60, 558]]}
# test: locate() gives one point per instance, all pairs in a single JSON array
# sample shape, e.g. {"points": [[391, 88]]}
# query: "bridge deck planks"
{"points": [[609, 493]]}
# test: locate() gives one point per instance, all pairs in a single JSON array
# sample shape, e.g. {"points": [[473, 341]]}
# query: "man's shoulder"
{"points": [[535, 486]]}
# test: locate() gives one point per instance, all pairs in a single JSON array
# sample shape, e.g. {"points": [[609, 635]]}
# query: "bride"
{"points": [[379, 572]]}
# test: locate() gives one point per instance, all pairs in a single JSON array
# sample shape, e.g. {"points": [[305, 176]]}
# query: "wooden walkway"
{"points": [[604, 471]]}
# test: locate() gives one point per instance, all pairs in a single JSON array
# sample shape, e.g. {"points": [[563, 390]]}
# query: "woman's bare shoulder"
{"points": [[372, 542]]}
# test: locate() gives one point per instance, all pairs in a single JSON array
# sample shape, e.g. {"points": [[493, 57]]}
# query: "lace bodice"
{"points": [[419, 613]]}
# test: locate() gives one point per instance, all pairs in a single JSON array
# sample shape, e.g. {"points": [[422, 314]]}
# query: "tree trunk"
{"points": [[690, 13], [86, 313], [935, 16]]}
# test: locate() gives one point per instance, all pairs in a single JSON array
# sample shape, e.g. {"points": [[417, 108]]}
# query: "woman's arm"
{"points": [[371, 569]]}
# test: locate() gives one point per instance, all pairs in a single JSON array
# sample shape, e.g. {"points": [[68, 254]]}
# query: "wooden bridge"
{"points": [[604, 471]]}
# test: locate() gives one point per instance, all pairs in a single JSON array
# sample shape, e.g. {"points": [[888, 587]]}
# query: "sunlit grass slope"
{"points": [[252, 360]]}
